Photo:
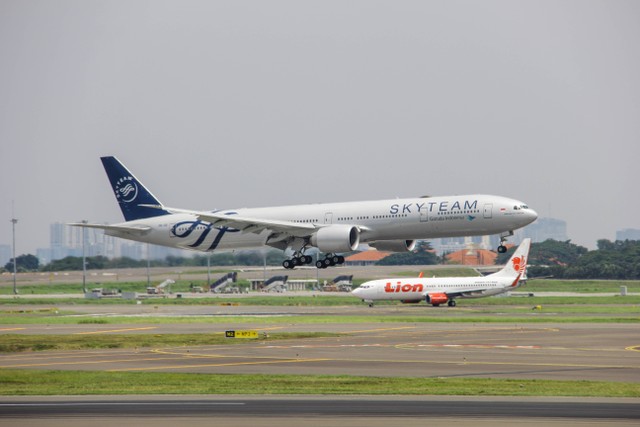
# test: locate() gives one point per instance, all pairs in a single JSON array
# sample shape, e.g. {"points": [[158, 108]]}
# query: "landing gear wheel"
{"points": [[502, 249], [330, 260], [288, 264], [451, 303]]}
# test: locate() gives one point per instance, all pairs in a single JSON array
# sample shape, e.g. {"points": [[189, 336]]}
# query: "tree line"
{"points": [[564, 260], [558, 259]]}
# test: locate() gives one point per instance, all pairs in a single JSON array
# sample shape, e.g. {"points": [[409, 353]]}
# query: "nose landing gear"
{"points": [[503, 238]]}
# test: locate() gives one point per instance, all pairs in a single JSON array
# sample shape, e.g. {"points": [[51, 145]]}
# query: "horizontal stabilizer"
{"points": [[130, 229]]}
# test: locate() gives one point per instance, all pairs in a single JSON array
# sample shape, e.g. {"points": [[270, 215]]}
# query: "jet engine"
{"points": [[394, 245], [336, 238], [436, 299]]}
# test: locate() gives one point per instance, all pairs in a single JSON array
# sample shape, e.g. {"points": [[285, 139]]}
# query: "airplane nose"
{"points": [[532, 215]]}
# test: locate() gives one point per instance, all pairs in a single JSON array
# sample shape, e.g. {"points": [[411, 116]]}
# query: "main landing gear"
{"points": [[331, 260], [296, 261]]}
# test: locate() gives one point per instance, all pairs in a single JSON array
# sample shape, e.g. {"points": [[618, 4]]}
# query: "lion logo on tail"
{"points": [[519, 263]]}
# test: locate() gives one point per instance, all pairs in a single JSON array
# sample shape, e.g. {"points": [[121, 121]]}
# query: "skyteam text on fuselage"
{"points": [[441, 290], [332, 228]]}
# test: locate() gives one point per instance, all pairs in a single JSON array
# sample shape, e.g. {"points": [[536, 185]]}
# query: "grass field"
{"points": [[183, 286], [42, 383]]}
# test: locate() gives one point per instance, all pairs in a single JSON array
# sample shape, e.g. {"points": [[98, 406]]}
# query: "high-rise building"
{"points": [[628, 234], [66, 240], [545, 228], [5, 254]]}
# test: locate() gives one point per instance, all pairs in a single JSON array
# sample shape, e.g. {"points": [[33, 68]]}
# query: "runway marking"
{"points": [[214, 365], [461, 331], [78, 354], [116, 330], [114, 404], [12, 329], [489, 346], [379, 330], [446, 362], [633, 348], [89, 362], [395, 361], [413, 346]]}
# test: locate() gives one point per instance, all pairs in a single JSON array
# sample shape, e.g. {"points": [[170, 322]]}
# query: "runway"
{"points": [[319, 410]]}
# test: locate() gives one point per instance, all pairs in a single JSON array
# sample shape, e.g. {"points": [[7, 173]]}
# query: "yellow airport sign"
{"points": [[241, 334]]}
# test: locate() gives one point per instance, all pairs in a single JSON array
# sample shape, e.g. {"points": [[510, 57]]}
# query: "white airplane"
{"points": [[333, 228], [441, 290]]}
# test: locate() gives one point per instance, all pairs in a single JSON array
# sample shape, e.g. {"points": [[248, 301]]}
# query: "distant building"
{"points": [[545, 228], [472, 257], [135, 251], [66, 240], [449, 245], [5, 255], [628, 234], [366, 258], [161, 252]]}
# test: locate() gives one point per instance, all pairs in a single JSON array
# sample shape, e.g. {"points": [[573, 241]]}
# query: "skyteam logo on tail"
{"points": [[126, 189]]}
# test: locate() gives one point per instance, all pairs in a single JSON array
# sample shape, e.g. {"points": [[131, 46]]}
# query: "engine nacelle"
{"points": [[336, 238], [410, 301], [436, 299], [394, 245]]}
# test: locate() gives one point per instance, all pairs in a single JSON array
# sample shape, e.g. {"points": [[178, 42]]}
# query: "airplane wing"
{"points": [[136, 230], [468, 294], [248, 225]]}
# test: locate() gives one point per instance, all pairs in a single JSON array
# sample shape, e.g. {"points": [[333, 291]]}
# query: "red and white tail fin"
{"points": [[517, 264]]}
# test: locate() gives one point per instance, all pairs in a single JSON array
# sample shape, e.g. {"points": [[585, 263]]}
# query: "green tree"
{"points": [[26, 262], [612, 260], [422, 255], [549, 253]]}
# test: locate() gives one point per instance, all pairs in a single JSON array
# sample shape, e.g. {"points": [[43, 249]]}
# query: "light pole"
{"points": [[15, 263], [148, 268], [84, 260]]}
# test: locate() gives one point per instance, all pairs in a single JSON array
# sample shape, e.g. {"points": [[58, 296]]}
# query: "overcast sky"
{"points": [[225, 104]]}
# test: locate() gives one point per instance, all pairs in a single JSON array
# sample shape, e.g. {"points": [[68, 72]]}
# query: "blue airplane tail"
{"points": [[130, 192]]}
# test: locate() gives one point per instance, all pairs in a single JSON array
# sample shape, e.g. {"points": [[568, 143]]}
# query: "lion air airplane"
{"points": [[391, 225], [440, 290]]}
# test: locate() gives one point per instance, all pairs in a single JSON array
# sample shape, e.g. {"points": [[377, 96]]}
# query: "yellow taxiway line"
{"points": [[116, 330]]}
